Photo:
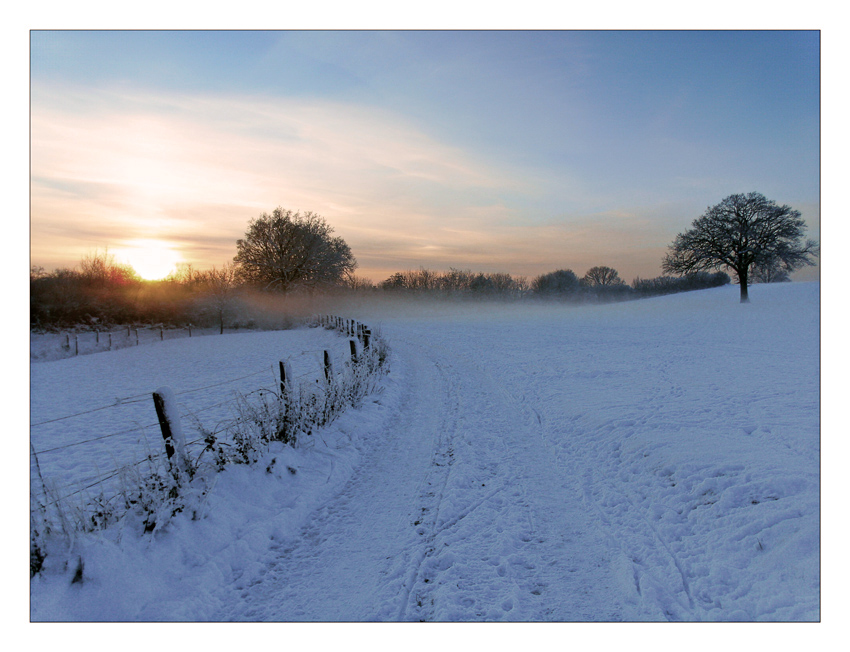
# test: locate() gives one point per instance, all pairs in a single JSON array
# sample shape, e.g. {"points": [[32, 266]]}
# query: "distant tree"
{"points": [[101, 270], [422, 280], [357, 283], [601, 276], [671, 284], [742, 233], [505, 285], [481, 284], [522, 286], [771, 273], [605, 283], [559, 283], [286, 250], [394, 282], [217, 287], [456, 280]]}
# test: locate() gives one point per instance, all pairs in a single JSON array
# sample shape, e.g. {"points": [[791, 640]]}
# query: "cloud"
{"points": [[181, 167], [110, 166]]}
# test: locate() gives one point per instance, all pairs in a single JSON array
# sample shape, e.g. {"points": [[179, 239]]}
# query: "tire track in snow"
{"points": [[430, 501], [341, 565], [665, 593], [554, 570], [502, 532], [433, 524]]}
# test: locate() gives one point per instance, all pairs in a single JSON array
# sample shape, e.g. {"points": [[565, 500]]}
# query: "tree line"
{"points": [[289, 252], [600, 283], [101, 293]]}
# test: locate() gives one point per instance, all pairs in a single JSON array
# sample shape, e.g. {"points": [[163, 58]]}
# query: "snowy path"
{"points": [[461, 513]]}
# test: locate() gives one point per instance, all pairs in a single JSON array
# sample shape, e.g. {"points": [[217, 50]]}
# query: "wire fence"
{"points": [[57, 346], [204, 414]]}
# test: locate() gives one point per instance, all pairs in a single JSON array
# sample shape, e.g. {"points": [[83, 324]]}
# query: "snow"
{"points": [[644, 461]]}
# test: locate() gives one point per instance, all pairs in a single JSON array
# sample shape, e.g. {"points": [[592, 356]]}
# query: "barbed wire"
{"points": [[117, 472], [93, 482], [78, 414], [87, 441], [224, 382], [139, 398]]}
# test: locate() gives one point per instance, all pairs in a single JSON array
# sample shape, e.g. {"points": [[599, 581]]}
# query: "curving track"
{"points": [[462, 512]]}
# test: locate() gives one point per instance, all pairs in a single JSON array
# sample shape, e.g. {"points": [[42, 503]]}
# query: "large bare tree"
{"points": [[286, 250], [742, 233]]}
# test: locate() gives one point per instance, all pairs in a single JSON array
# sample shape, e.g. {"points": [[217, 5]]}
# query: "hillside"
{"points": [[647, 460]]}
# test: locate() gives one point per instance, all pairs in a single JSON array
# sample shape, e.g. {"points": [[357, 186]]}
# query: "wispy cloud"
{"points": [[114, 165], [142, 166]]}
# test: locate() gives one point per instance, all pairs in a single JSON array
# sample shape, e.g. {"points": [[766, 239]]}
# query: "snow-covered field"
{"points": [[649, 460]]}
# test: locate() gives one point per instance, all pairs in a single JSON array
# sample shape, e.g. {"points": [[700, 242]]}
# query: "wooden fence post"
{"points": [[366, 335], [76, 345], [110, 341], [353, 345], [137, 337], [286, 378], [168, 414], [328, 367]]}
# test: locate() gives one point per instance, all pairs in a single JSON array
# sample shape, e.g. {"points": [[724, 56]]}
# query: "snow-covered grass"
{"points": [[650, 460], [147, 494]]}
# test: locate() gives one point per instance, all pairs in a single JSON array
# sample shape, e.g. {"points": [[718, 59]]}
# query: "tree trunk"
{"points": [[745, 296]]}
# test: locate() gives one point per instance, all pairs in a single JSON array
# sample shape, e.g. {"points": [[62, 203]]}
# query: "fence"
{"points": [[90, 500], [56, 346]]}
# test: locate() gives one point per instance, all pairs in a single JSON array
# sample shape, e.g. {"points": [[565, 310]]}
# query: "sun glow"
{"points": [[152, 259]]}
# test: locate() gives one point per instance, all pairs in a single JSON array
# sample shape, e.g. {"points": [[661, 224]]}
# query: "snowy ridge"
{"points": [[651, 460]]}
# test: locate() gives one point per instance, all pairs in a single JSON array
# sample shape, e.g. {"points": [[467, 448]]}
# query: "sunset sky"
{"points": [[519, 152]]}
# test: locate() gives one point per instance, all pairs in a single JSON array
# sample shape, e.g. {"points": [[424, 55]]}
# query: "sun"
{"points": [[152, 259]]}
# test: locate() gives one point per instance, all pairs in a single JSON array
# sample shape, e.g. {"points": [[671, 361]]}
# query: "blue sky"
{"points": [[521, 152]]}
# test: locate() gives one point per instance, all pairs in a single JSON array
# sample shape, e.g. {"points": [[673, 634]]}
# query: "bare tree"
{"points": [[742, 233], [771, 273], [102, 270], [285, 250], [601, 276], [357, 283], [217, 287], [559, 283]]}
